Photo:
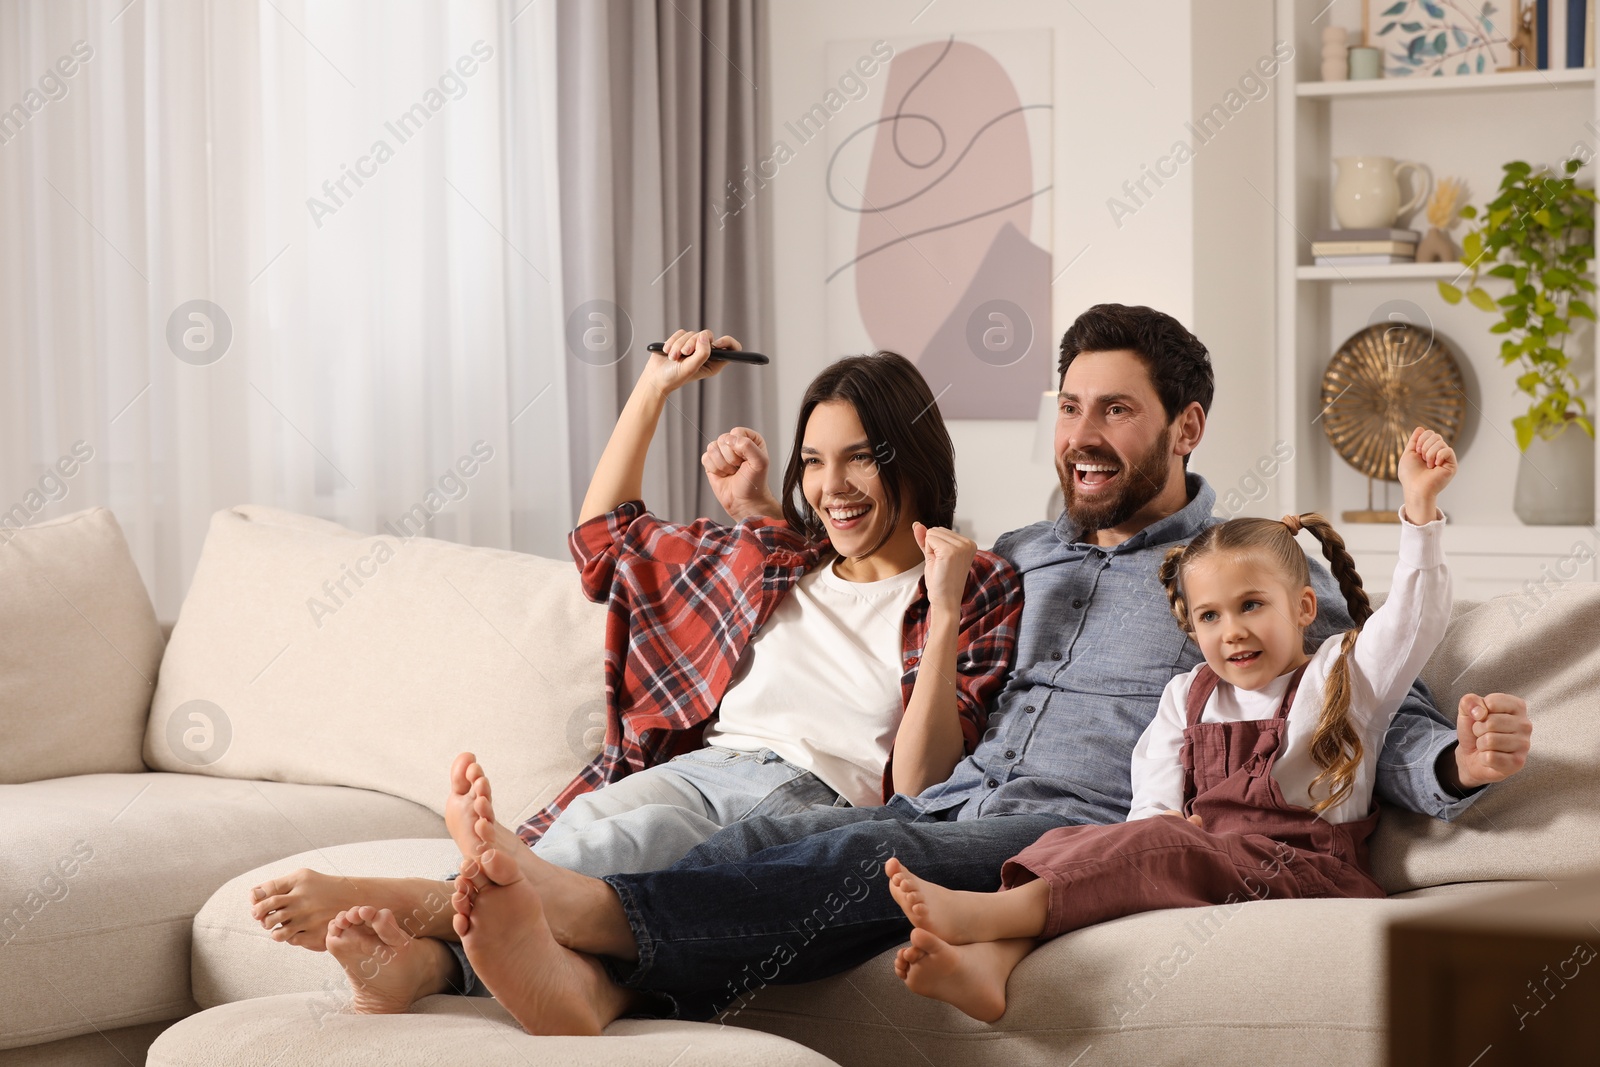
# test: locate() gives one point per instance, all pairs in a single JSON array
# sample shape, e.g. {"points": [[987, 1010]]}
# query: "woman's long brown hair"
{"points": [[1335, 746], [910, 445]]}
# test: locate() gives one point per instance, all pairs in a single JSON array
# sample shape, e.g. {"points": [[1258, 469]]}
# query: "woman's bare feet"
{"points": [[957, 917], [388, 969], [549, 989], [969, 977], [298, 906]]}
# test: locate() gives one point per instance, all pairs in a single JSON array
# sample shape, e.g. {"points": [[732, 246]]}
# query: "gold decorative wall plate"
{"points": [[1383, 383]]}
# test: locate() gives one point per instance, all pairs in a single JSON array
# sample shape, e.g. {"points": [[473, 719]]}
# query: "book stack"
{"points": [[1364, 248]]}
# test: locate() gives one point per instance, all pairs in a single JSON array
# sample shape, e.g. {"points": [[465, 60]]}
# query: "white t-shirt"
{"points": [[1394, 645], [820, 683]]}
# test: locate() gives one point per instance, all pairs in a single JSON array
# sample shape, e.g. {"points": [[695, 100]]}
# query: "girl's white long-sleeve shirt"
{"points": [[1394, 645]]}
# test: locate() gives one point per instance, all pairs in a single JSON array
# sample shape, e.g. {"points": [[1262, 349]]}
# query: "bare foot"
{"points": [[388, 969], [969, 977], [465, 778], [297, 907], [550, 990], [958, 917]]}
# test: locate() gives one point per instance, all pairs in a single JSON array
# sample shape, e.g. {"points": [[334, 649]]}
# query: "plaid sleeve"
{"points": [[682, 601], [985, 651], [630, 531]]}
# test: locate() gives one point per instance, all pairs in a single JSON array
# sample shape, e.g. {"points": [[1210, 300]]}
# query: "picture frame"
{"points": [[1440, 38]]}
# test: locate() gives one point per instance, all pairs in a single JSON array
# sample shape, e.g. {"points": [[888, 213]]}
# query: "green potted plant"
{"points": [[1538, 235]]}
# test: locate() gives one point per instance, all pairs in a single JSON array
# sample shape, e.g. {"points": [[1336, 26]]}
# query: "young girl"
{"points": [[1253, 781], [760, 668]]}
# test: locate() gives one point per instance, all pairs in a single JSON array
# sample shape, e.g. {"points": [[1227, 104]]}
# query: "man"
{"points": [[800, 897]]}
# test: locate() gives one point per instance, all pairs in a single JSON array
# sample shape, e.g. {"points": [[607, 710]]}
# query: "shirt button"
{"points": [[1029, 710], [911, 661], [1056, 654], [1077, 603], [993, 784], [1011, 753]]}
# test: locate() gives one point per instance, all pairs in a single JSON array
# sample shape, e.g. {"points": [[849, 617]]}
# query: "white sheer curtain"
{"points": [[367, 192]]}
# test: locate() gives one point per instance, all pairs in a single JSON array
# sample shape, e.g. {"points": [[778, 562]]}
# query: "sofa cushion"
{"points": [[1294, 983], [1279, 979], [298, 636], [1545, 821], [79, 649], [299, 1028], [103, 875]]}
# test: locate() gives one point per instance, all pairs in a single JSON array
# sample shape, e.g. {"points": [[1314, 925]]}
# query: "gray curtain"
{"points": [[658, 113]]}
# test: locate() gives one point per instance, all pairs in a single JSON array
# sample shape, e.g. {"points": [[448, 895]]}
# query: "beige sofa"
{"points": [[303, 713]]}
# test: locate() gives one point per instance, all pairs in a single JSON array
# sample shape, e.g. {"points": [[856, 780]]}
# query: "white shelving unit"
{"points": [[1464, 127]]}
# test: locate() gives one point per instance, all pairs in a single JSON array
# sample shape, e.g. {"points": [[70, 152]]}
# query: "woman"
{"points": [[837, 656]]}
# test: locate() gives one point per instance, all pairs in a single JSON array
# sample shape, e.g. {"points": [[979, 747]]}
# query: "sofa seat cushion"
{"points": [[299, 1028], [1292, 982], [1295, 983], [103, 875]]}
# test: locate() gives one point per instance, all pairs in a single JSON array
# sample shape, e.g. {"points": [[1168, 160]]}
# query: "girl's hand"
{"points": [[736, 465], [1179, 815], [687, 359], [949, 559], [1426, 467]]}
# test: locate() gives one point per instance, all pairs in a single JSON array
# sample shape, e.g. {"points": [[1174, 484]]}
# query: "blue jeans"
{"points": [[650, 819], [779, 901]]}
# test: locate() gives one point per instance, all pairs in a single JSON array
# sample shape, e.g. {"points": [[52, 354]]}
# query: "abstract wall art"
{"points": [[938, 206]]}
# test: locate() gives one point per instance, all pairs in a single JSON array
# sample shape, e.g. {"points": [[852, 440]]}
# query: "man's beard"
{"points": [[1142, 481]]}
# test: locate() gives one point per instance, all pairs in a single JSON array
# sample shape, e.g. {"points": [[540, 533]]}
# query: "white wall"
{"points": [[1126, 79]]}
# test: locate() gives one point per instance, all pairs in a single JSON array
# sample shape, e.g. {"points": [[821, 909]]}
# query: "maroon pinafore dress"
{"points": [[1255, 845]]}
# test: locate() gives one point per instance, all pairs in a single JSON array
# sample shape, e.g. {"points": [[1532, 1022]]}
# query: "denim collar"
{"points": [[1181, 525]]}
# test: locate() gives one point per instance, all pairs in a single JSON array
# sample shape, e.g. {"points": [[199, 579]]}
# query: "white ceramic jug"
{"points": [[1367, 193]]}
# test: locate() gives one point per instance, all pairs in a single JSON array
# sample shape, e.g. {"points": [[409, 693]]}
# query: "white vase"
{"points": [[1366, 194], [1555, 480]]}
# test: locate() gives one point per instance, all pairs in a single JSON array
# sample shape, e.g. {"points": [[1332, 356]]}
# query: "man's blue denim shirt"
{"points": [[1098, 644]]}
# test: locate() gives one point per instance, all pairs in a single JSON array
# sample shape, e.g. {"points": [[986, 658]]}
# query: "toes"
{"points": [[388, 930], [499, 867], [472, 872], [266, 906], [459, 782], [461, 924]]}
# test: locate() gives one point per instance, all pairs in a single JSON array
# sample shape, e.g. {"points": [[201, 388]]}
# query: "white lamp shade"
{"points": [[1044, 430]]}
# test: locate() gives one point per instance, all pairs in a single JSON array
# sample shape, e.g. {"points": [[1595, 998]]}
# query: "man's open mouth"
{"points": [[1093, 475]]}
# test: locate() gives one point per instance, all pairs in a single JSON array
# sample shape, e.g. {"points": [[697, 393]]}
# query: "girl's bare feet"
{"points": [[549, 989], [969, 977], [298, 906], [388, 969], [957, 917]]}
